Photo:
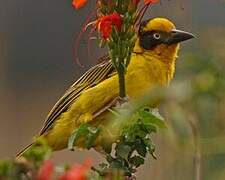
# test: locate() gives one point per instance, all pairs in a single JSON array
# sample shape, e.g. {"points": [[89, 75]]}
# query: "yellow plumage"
{"points": [[148, 68]]}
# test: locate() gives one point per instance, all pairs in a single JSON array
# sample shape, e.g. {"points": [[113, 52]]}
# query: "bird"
{"points": [[152, 64]]}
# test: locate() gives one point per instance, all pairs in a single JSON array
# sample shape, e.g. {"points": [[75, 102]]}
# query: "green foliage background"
{"points": [[197, 96]]}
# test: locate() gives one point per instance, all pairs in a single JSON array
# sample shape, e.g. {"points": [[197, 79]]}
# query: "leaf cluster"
{"points": [[134, 143]]}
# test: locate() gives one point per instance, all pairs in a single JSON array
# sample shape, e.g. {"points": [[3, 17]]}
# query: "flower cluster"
{"points": [[80, 3], [116, 23], [106, 21], [46, 170], [75, 172]]}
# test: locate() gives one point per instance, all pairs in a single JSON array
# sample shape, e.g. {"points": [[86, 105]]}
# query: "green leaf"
{"points": [[91, 137], [81, 131], [117, 163], [148, 118], [140, 147], [136, 161], [150, 127], [123, 150], [6, 168], [87, 132], [130, 132], [121, 164], [150, 146], [39, 152]]}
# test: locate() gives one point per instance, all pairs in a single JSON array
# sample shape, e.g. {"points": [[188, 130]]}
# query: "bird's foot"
{"points": [[120, 102], [116, 102]]}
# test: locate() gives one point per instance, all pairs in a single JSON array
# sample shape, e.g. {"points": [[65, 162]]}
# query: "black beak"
{"points": [[177, 36]]}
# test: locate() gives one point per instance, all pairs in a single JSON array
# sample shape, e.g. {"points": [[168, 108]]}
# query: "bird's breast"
{"points": [[144, 74]]}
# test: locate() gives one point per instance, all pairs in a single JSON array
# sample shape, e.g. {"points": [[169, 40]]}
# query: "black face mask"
{"points": [[150, 39]]}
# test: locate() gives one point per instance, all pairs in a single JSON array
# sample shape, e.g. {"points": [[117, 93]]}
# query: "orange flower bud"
{"points": [[79, 3]]}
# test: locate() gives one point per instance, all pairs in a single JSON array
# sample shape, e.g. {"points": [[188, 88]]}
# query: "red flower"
{"points": [[105, 24], [46, 170], [77, 172], [79, 3]]}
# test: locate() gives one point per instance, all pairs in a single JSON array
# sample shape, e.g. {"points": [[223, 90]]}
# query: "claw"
{"points": [[116, 102]]}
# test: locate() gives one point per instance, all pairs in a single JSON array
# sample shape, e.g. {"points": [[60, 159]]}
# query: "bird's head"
{"points": [[159, 37]]}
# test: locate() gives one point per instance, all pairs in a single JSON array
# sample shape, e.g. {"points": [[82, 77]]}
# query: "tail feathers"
{"points": [[20, 153]]}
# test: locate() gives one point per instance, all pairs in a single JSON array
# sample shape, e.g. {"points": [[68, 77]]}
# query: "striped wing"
{"points": [[92, 77]]}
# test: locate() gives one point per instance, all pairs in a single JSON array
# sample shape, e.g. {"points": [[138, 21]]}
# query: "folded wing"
{"points": [[91, 78]]}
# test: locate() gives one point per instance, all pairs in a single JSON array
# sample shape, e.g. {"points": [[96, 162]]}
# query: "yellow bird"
{"points": [[152, 64]]}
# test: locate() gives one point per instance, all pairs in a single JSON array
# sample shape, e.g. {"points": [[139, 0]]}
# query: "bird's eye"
{"points": [[156, 36]]}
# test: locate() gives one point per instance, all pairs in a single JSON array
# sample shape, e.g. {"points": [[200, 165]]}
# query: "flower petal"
{"points": [[46, 171], [79, 3], [106, 23]]}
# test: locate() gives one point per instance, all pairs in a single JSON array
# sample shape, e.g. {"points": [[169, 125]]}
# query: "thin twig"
{"points": [[197, 157]]}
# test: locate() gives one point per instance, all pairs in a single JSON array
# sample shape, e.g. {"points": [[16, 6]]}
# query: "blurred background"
{"points": [[37, 64]]}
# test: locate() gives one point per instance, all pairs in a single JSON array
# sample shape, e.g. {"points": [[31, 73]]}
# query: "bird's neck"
{"points": [[164, 53], [163, 59]]}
